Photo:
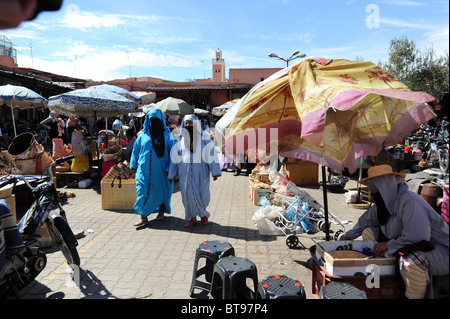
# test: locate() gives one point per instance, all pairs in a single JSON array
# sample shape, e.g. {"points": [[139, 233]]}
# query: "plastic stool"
{"points": [[230, 278], [340, 290], [439, 287], [280, 287], [212, 251]]}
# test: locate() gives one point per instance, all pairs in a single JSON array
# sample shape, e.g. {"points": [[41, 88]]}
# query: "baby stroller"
{"points": [[301, 214]]}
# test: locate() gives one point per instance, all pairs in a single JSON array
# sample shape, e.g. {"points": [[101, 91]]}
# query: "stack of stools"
{"points": [[280, 287], [211, 251], [341, 290], [230, 276]]}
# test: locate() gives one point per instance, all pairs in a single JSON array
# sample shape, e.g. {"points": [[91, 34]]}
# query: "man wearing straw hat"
{"points": [[402, 223]]}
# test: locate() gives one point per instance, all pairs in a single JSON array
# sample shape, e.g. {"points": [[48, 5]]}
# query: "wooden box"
{"points": [[303, 173]]}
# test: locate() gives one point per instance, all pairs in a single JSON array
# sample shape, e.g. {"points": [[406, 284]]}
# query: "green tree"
{"points": [[419, 70]]}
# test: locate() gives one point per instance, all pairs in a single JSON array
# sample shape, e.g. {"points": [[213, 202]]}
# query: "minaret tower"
{"points": [[218, 67]]}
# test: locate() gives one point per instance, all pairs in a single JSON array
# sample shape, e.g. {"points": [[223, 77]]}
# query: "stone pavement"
{"points": [[118, 261]]}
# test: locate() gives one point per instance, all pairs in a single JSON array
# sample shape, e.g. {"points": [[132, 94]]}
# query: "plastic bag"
{"points": [[263, 201], [351, 197], [298, 212], [263, 218]]}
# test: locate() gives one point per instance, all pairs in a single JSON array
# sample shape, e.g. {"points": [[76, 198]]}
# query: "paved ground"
{"points": [[156, 262]]}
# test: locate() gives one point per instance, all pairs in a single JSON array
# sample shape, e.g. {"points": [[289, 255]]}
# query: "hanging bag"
{"points": [[25, 146]]}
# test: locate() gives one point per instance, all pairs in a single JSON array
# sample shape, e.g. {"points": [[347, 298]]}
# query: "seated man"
{"points": [[403, 223], [131, 137]]}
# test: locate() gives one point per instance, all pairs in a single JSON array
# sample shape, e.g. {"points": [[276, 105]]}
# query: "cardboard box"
{"points": [[6, 194], [11, 201], [352, 266], [115, 198], [262, 178], [303, 173], [257, 193]]}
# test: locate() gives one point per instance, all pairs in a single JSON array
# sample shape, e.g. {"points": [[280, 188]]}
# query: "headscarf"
{"points": [[388, 186], [51, 117], [190, 134], [156, 128]]}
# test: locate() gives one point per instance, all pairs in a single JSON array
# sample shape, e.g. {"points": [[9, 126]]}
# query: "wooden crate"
{"points": [[115, 198]]}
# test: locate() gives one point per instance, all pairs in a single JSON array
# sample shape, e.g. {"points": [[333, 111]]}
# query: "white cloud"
{"points": [[404, 3], [75, 18], [439, 39], [406, 24], [87, 20], [292, 37], [100, 64]]}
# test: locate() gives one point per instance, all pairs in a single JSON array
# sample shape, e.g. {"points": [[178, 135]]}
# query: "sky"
{"points": [[176, 39]]}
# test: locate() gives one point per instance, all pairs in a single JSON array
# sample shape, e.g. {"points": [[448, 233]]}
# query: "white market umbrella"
{"points": [[84, 102], [120, 91], [173, 106], [147, 97], [198, 111], [20, 97]]}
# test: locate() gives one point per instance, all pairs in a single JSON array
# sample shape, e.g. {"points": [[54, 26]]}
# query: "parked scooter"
{"points": [[20, 258]]}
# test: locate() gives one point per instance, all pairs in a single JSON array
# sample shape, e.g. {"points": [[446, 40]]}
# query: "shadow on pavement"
{"points": [[177, 224]]}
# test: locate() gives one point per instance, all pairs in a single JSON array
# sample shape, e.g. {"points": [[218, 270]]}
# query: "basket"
{"points": [[335, 188], [80, 164], [112, 153], [79, 145], [118, 194], [119, 170], [25, 146]]}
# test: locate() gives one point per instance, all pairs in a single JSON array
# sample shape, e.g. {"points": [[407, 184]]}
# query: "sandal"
{"points": [[190, 223]]}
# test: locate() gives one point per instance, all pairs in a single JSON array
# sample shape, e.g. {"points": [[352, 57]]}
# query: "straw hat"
{"points": [[379, 170]]}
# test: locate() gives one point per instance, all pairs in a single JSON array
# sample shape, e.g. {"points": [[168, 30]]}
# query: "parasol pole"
{"points": [[325, 202], [360, 177], [14, 122], [96, 135]]}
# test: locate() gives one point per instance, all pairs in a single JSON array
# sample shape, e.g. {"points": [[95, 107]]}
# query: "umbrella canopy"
{"points": [[147, 97], [20, 97], [200, 112], [173, 106], [224, 108], [84, 102], [331, 112], [118, 90]]}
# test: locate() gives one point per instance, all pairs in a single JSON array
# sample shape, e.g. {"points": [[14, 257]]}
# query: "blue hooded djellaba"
{"points": [[151, 159], [194, 160]]}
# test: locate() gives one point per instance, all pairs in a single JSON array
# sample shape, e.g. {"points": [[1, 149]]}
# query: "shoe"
{"points": [[237, 173], [190, 223], [143, 222], [160, 216], [205, 220]]}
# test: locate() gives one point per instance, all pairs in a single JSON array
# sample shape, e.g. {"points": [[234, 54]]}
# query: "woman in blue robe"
{"points": [[194, 160], [151, 160]]}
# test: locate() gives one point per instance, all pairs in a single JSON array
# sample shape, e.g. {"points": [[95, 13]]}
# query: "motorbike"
{"points": [[433, 143], [21, 259]]}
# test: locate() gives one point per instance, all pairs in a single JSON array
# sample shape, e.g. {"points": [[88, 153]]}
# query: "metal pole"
{"points": [[325, 202], [13, 120]]}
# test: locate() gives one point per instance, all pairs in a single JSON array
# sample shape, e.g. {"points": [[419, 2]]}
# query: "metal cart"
{"points": [[315, 215]]}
